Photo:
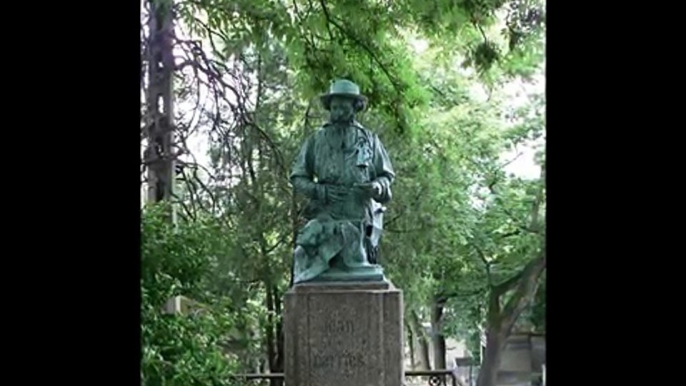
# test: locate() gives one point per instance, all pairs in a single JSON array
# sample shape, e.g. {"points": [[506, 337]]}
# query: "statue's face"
{"points": [[341, 109]]}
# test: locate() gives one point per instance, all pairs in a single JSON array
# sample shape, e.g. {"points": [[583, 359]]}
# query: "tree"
{"points": [[481, 248]]}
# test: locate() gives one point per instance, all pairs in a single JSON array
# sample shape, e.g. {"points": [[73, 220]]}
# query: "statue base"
{"points": [[357, 274], [343, 334]]}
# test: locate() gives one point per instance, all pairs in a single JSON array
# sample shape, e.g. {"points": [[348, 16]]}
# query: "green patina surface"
{"points": [[344, 170]]}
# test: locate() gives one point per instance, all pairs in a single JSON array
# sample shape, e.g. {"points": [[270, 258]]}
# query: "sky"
{"points": [[524, 165]]}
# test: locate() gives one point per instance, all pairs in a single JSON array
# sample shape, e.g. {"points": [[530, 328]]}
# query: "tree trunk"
{"points": [[490, 364], [269, 328], [422, 342], [279, 361], [501, 319], [274, 333], [437, 337]]}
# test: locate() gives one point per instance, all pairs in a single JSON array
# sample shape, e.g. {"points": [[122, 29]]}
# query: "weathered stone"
{"points": [[342, 334], [181, 305]]}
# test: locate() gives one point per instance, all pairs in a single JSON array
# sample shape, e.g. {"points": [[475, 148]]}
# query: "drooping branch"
{"points": [[328, 17], [355, 39], [487, 264]]}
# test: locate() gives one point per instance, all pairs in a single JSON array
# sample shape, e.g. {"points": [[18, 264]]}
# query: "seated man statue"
{"points": [[346, 173]]}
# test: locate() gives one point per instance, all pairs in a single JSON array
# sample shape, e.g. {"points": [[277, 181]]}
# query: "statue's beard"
{"points": [[342, 119]]}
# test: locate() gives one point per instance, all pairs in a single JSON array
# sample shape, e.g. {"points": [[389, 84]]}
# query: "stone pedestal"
{"points": [[343, 334]]}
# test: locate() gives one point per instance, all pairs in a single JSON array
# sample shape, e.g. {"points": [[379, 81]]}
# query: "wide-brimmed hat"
{"points": [[344, 88]]}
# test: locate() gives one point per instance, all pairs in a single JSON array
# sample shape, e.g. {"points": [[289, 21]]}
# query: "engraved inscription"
{"points": [[343, 361], [340, 327], [342, 353]]}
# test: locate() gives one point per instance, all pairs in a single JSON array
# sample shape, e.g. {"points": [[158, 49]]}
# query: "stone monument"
{"points": [[342, 318]]}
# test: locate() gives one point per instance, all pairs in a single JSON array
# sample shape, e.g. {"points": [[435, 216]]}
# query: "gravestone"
{"points": [[344, 334]]}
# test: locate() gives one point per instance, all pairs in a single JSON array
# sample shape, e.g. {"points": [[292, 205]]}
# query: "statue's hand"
{"points": [[335, 193], [369, 190]]}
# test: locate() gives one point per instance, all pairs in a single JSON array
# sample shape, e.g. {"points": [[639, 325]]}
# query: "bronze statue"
{"points": [[346, 173]]}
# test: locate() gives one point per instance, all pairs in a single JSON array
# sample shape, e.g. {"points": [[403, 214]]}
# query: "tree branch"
{"points": [[524, 291], [510, 234], [536, 206], [519, 154], [508, 284], [487, 264], [404, 230], [494, 192], [328, 18], [371, 53], [443, 296]]}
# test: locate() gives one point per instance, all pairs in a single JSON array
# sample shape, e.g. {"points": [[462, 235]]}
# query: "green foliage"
{"points": [[176, 349], [366, 40], [181, 350], [173, 260], [462, 221]]}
